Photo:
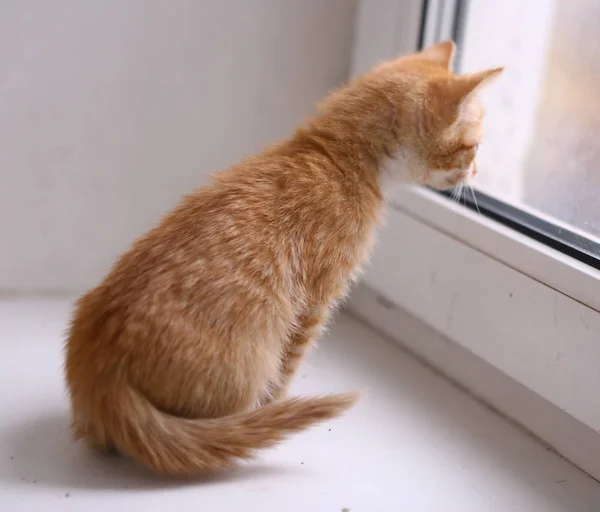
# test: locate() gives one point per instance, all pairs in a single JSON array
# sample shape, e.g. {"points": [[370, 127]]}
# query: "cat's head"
{"points": [[438, 117]]}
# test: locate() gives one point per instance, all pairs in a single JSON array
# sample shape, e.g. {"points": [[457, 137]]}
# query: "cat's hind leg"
{"points": [[309, 328]]}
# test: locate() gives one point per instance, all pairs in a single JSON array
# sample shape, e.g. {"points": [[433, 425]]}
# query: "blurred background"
{"points": [[541, 147], [562, 175]]}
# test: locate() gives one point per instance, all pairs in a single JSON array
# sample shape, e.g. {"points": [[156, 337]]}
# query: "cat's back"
{"points": [[255, 233], [223, 244]]}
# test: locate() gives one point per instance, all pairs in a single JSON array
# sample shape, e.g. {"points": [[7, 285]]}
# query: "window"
{"points": [[539, 165], [513, 277]]}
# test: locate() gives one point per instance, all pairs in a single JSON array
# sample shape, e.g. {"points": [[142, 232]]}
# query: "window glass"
{"points": [[541, 147]]}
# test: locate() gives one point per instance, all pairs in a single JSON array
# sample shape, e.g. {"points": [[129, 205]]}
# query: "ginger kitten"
{"points": [[182, 356]]}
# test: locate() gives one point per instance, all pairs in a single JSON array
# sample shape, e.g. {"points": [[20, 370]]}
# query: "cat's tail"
{"points": [[173, 445]]}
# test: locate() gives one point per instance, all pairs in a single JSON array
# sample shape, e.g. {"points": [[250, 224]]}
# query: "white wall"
{"points": [[109, 110]]}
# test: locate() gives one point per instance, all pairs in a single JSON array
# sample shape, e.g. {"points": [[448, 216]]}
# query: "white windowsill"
{"points": [[518, 305], [566, 435], [414, 443]]}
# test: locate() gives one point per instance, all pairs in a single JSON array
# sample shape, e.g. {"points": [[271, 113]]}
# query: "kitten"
{"points": [[182, 356]]}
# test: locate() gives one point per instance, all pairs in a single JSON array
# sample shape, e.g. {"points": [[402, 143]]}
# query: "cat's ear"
{"points": [[453, 92], [461, 86], [441, 53]]}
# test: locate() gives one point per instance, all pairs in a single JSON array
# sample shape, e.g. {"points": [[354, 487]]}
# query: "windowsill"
{"points": [[415, 442], [563, 433], [488, 290]]}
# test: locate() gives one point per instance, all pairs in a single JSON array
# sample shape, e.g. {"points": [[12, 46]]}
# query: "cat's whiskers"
{"points": [[474, 198], [457, 193], [452, 194]]}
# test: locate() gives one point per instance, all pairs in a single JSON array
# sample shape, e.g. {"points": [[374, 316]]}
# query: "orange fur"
{"points": [[182, 356]]}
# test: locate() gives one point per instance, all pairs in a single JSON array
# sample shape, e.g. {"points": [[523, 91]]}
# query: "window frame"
{"points": [[528, 309], [442, 20]]}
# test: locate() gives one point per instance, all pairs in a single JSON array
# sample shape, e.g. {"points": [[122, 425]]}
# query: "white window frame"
{"points": [[531, 312]]}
